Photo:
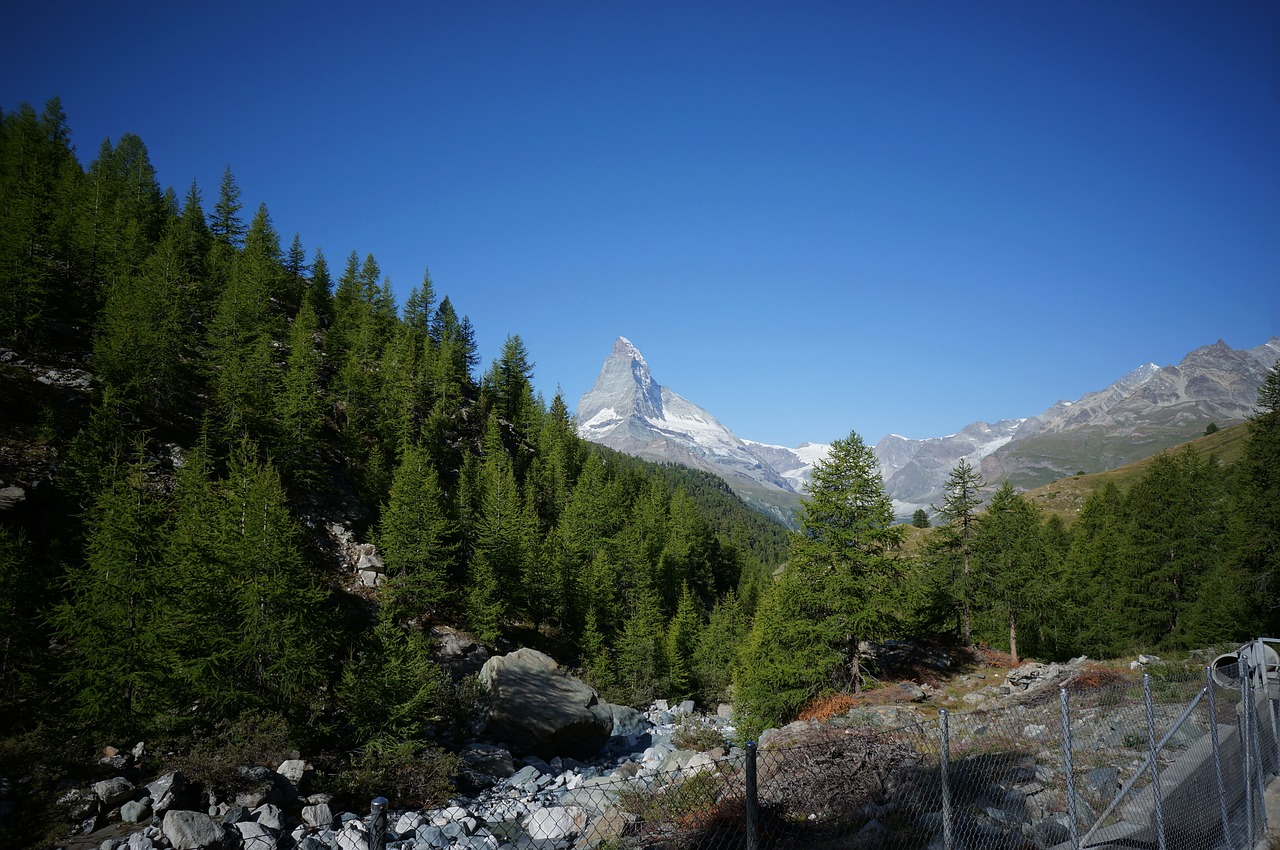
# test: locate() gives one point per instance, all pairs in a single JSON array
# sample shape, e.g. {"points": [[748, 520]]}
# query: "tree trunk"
{"points": [[856, 664], [964, 591], [1013, 638]]}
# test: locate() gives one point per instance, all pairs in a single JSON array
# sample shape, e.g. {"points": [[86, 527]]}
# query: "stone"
{"points": [[352, 836], [269, 816], [255, 836], [292, 770], [136, 811], [555, 822], [187, 830], [79, 803], [140, 841], [11, 497], [536, 705], [627, 722], [408, 824], [112, 792], [1102, 781], [318, 815], [459, 654], [488, 760], [164, 790]]}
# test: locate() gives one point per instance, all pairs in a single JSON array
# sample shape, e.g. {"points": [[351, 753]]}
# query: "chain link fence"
{"points": [[1175, 760]]}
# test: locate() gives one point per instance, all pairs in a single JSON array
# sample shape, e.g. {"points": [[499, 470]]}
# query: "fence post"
{"points": [[753, 808], [1217, 756], [1155, 762], [1069, 767], [944, 766], [378, 823], [1246, 746]]}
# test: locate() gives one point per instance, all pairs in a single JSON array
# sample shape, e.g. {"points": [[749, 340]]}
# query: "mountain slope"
{"points": [[628, 411], [1147, 410]]}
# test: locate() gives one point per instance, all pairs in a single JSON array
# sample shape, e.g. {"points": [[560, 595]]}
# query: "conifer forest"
{"points": [[171, 574]]}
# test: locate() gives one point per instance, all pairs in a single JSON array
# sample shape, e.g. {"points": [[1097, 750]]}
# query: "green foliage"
{"points": [[113, 618], [411, 774], [1014, 574], [416, 538], [920, 519], [392, 692]]}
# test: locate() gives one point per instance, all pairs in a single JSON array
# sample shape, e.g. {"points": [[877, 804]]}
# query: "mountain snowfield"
{"points": [[1141, 413]]}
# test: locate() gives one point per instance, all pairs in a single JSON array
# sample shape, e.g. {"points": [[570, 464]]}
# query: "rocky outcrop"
{"points": [[540, 709]]}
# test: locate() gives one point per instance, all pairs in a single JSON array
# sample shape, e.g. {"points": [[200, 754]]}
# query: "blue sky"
{"points": [[810, 217]]}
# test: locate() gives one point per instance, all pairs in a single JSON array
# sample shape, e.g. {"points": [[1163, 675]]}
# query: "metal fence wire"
{"points": [[1175, 760]]}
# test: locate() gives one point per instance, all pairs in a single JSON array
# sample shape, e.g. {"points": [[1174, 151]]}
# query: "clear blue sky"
{"points": [[810, 217]]}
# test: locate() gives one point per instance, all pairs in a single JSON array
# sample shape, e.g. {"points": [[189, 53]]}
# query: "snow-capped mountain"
{"points": [[1149, 409], [627, 410]]}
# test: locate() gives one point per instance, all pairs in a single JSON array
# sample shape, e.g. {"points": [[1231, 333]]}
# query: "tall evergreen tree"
{"points": [[226, 225], [961, 500], [843, 551], [1015, 570], [416, 537], [113, 618]]}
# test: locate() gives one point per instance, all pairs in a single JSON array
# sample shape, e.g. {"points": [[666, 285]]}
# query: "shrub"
{"points": [[411, 774], [691, 735]]}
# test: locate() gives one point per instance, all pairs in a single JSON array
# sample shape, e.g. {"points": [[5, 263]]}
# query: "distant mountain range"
{"points": [[1147, 410]]}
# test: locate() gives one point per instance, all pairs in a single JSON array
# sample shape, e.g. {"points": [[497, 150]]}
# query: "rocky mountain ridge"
{"points": [[1148, 409]]}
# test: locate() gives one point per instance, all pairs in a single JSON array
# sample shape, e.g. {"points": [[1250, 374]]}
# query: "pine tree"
{"points": [[641, 654], [843, 551], [300, 406], [1257, 512], [1015, 570], [226, 224], [681, 641], [786, 658], [1093, 573], [113, 618], [718, 644], [273, 631], [961, 500], [416, 537]]}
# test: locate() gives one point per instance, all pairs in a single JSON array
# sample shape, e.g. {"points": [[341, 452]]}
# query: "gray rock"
{"points": [[269, 816], [458, 653], [536, 705], [112, 792], [489, 760], [1102, 781], [164, 790], [555, 822], [11, 497], [293, 770], [627, 721], [79, 803], [186, 830], [352, 836], [318, 815], [255, 836], [135, 811], [140, 841]]}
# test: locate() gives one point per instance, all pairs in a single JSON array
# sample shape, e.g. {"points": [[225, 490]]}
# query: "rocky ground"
{"points": [[523, 795]]}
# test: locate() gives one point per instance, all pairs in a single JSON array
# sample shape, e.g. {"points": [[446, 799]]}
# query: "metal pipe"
{"points": [[1069, 768], [1155, 766], [944, 765], [753, 803], [378, 823]]}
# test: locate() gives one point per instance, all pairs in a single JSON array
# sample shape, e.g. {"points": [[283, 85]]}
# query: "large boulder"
{"points": [[538, 708]]}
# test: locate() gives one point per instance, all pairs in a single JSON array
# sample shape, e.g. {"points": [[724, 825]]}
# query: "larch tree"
{"points": [[1009, 546], [844, 550], [961, 499]]}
